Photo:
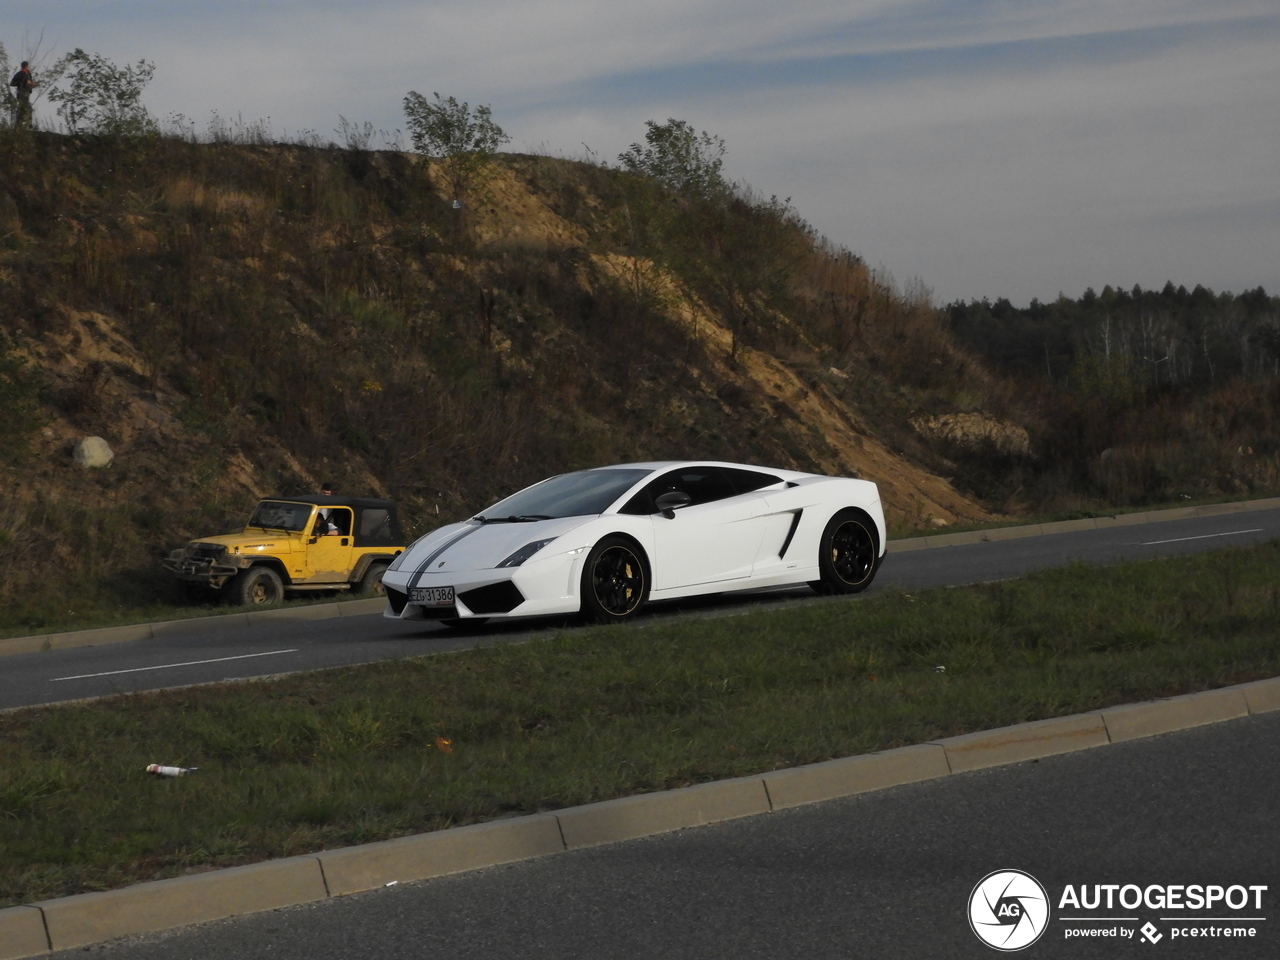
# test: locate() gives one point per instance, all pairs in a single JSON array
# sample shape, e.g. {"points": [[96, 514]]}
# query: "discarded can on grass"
{"points": [[162, 771]]}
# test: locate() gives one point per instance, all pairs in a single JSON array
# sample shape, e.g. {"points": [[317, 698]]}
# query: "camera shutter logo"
{"points": [[1008, 910]]}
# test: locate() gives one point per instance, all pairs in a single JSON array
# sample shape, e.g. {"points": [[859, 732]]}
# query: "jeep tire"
{"points": [[371, 582], [255, 587]]}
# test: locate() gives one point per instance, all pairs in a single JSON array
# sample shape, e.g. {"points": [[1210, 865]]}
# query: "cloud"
{"points": [[990, 147]]}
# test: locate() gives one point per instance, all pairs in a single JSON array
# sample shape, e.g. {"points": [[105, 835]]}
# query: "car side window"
{"points": [[702, 484], [744, 481]]}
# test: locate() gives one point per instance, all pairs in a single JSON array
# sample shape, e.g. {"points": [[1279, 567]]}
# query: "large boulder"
{"points": [[92, 452]]}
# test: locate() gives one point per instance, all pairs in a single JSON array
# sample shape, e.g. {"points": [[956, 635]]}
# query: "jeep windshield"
{"points": [[281, 515], [581, 494]]}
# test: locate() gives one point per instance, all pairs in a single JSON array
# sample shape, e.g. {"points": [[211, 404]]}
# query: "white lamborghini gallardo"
{"points": [[606, 541]]}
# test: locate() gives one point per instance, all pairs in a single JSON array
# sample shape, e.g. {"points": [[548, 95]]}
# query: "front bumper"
{"points": [[199, 569], [493, 599]]}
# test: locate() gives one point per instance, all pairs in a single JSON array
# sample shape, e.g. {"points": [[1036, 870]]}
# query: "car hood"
{"points": [[477, 546]]}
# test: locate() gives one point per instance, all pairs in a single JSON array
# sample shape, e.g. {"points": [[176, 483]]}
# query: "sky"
{"points": [[983, 148]]}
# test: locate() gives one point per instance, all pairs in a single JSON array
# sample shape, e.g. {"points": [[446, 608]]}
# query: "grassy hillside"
{"points": [[238, 320]]}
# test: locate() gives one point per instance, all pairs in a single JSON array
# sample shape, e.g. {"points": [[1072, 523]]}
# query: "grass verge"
{"points": [[359, 754], [109, 615]]}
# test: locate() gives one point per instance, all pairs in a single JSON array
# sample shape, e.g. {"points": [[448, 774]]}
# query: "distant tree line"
{"points": [[1127, 339]]}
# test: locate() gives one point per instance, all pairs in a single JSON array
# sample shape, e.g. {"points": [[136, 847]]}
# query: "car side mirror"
{"points": [[313, 539], [670, 501]]}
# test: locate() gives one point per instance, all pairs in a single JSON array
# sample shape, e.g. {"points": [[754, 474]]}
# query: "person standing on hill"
{"points": [[326, 513], [23, 84]]}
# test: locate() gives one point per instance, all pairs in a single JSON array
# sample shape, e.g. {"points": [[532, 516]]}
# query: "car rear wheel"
{"points": [[257, 586], [615, 581], [848, 554]]}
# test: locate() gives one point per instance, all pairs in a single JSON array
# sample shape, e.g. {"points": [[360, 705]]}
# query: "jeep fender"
{"points": [[275, 565], [358, 571]]}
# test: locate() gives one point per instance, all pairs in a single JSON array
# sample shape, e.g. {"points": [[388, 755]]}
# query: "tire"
{"points": [[256, 587], [848, 554], [615, 581], [371, 582]]}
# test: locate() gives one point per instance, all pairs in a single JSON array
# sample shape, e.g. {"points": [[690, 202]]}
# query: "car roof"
{"points": [[657, 465], [320, 500]]}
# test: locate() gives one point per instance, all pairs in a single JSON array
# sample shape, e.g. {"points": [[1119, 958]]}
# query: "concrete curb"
{"points": [[850, 776], [652, 813], [1177, 713], [93, 917], [178, 628], [1072, 526], [88, 918], [1026, 741], [428, 855], [22, 933]]}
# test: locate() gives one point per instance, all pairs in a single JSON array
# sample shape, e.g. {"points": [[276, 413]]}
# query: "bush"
{"points": [[464, 139], [102, 98]]}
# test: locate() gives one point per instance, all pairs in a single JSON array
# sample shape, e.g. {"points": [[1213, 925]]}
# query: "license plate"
{"points": [[432, 596]]}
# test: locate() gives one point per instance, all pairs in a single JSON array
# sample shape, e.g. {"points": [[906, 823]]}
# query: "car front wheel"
{"points": [[848, 554], [615, 582]]}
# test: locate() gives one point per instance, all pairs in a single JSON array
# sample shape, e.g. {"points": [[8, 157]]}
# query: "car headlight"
{"points": [[399, 560], [525, 552]]}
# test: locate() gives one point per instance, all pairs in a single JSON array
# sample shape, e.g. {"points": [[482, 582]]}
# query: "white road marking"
{"points": [[1205, 536], [169, 666]]}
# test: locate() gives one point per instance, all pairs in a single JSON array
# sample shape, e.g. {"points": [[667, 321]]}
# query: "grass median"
{"points": [[347, 756]]}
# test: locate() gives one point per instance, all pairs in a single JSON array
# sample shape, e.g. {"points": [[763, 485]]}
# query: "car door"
{"points": [[715, 538], [329, 546]]}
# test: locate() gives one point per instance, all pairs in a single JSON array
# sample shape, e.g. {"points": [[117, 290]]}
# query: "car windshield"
{"points": [[581, 494], [280, 515]]}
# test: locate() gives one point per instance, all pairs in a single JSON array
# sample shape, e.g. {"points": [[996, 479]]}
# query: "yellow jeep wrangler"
{"points": [[295, 544]]}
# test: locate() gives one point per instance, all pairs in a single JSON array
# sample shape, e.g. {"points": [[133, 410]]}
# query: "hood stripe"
{"points": [[417, 574]]}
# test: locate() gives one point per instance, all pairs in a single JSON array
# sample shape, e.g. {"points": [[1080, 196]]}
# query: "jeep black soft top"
{"points": [[377, 524]]}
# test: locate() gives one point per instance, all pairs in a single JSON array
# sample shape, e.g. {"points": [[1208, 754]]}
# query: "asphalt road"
{"points": [[224, 653], [885, 875]]}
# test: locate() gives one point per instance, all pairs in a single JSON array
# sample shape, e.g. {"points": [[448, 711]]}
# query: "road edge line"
{"points": [[994, 534]]}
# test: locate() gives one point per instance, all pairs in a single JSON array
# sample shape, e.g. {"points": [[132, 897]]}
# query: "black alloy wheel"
{"points": [[615, 582], [848, 554]]}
